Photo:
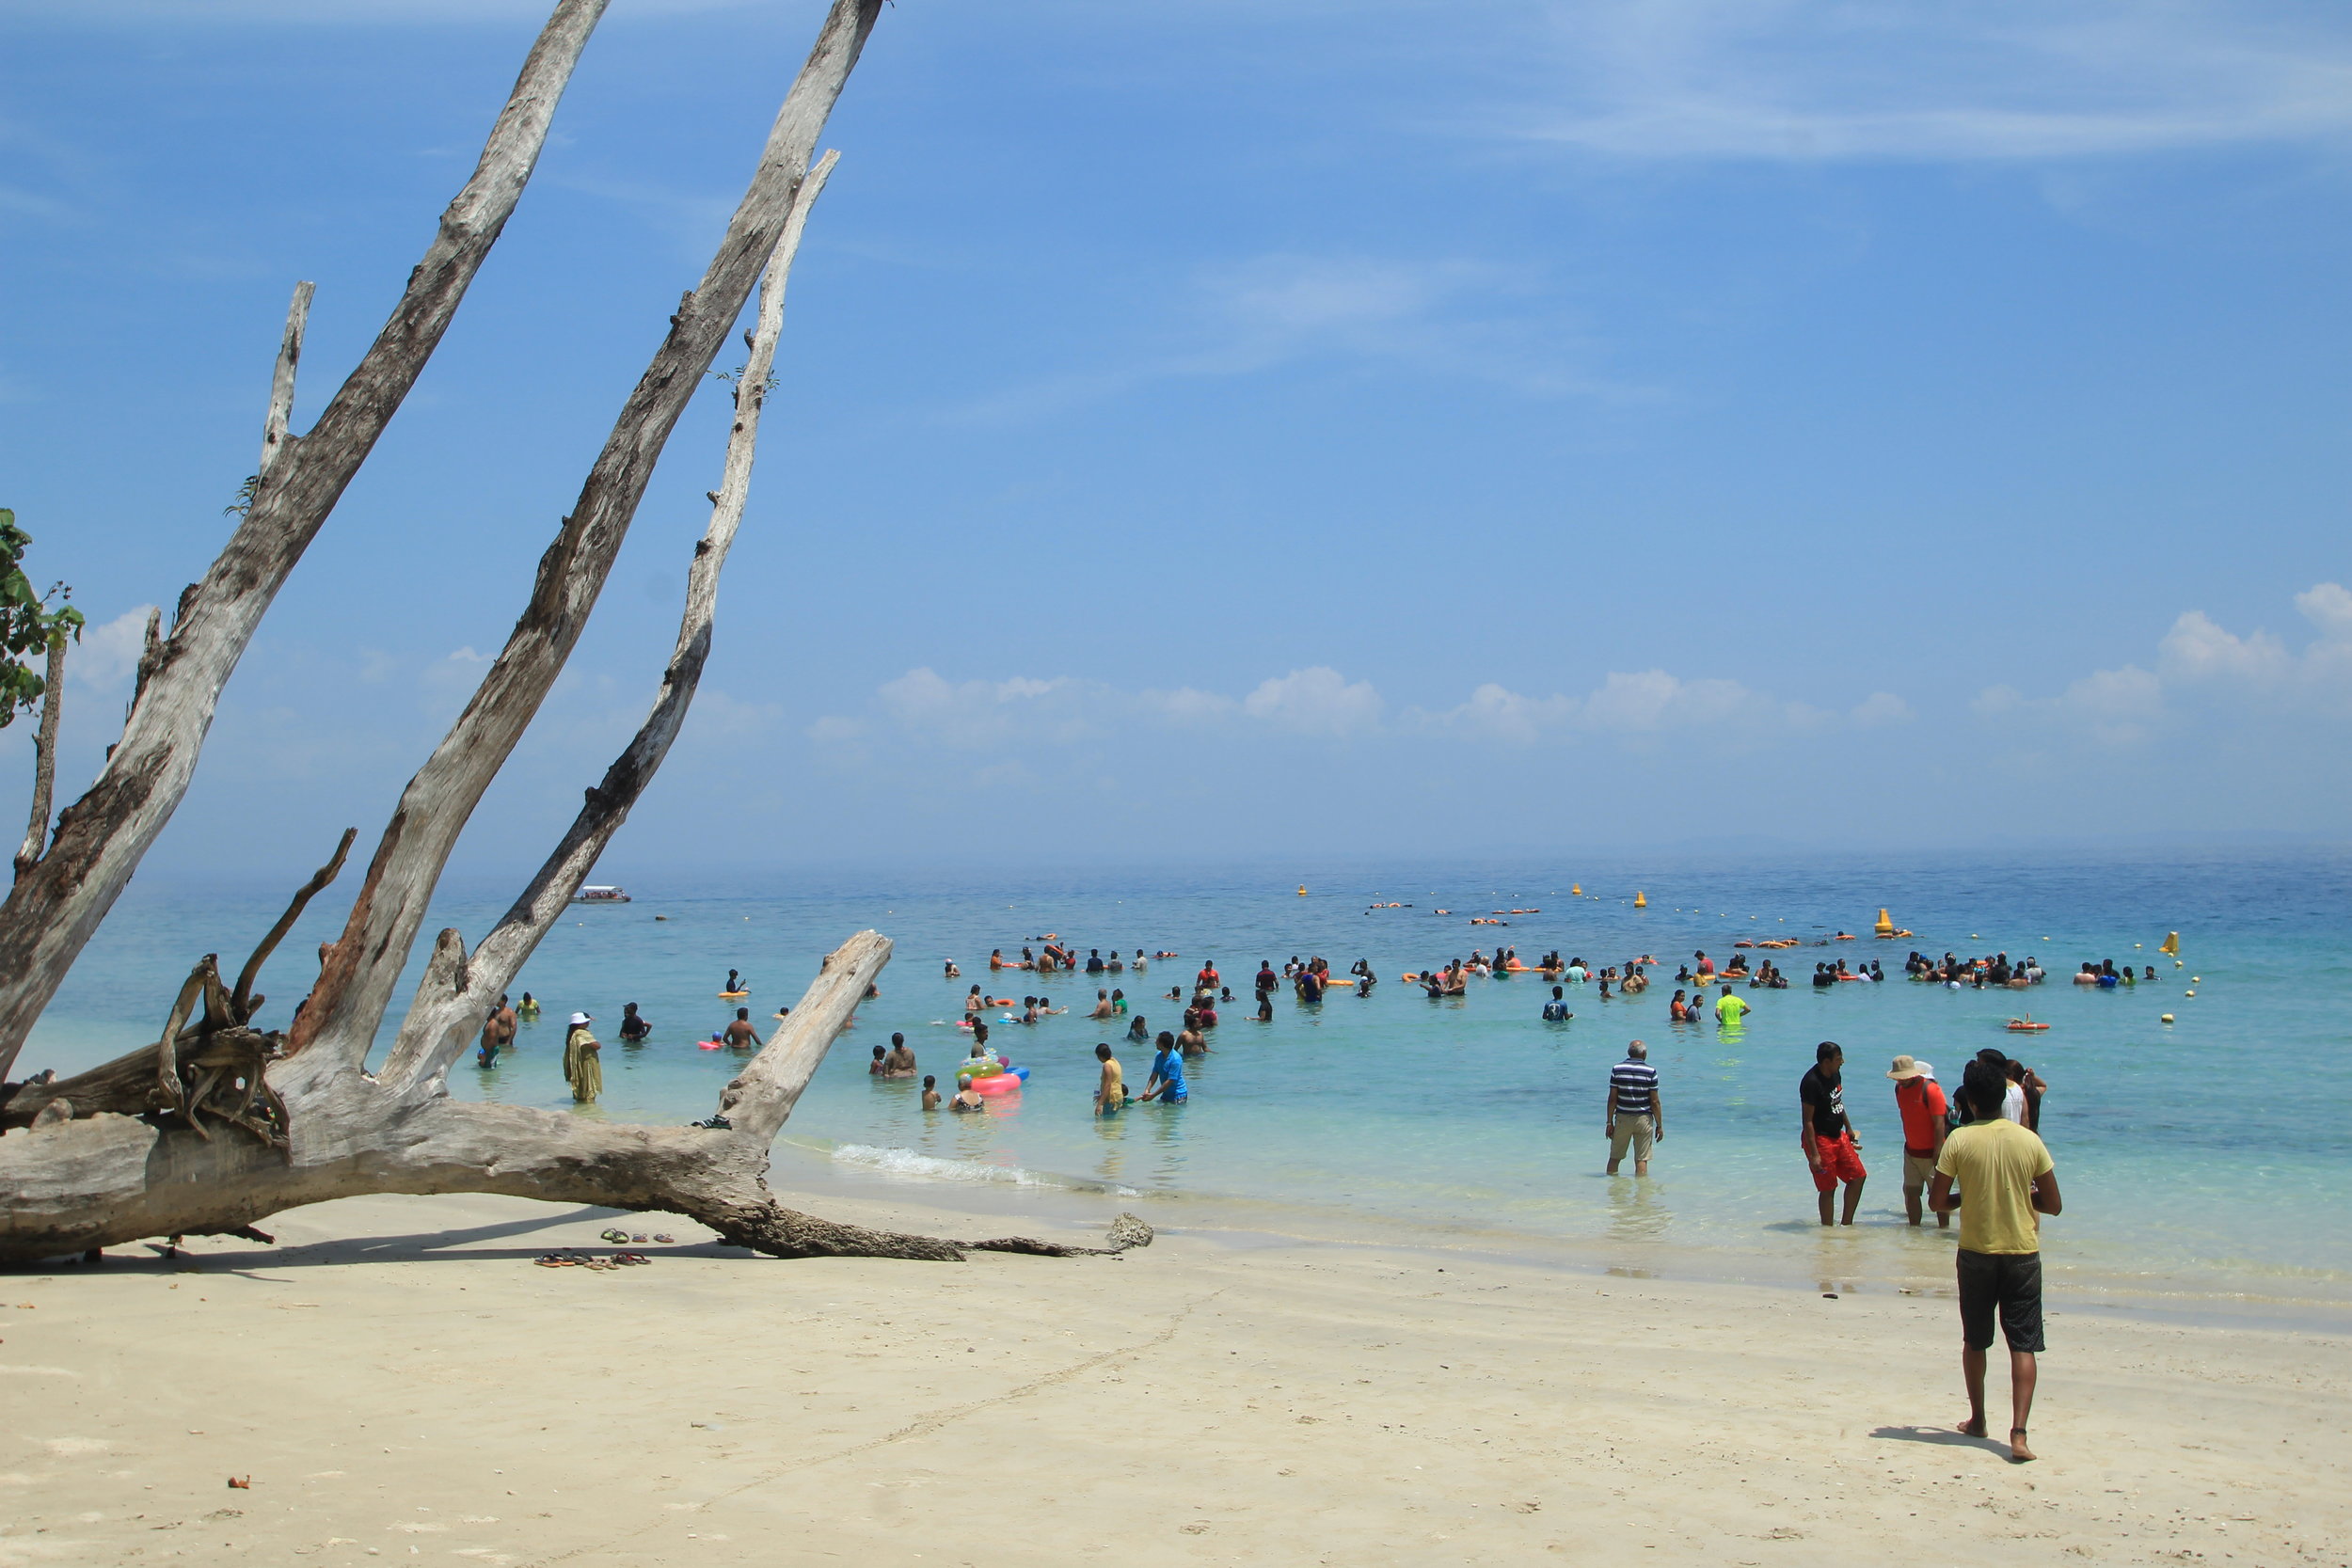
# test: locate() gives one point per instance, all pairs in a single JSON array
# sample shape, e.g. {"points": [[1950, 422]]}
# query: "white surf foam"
{"points": [[907, 1164]]}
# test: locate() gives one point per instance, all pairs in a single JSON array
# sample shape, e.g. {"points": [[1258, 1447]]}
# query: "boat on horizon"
{"points": [[601, 896]]}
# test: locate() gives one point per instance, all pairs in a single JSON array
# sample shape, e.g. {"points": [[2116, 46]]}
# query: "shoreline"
{"points": [[1857, 1261]]}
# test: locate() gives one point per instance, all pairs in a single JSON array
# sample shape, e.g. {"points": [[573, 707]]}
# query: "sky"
{"points": [[1224, 430]]}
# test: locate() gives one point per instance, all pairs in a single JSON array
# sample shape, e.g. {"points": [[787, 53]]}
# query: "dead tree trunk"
{"points": [[220, 1124], [76, 1182], [53, 909]]}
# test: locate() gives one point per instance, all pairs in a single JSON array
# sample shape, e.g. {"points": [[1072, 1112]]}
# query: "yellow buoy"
{"points": [[1575, 890], [1640, 900], [2171, 944], [1885, 927], [1302, 889]]}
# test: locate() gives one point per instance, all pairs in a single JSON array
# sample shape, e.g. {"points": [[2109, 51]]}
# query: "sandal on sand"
{"points": [[661, 1237], [639, 1240], [612, 1235]]}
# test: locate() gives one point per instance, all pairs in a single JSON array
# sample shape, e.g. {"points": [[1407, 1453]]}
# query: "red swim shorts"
{"points": [[1840, 1162]]}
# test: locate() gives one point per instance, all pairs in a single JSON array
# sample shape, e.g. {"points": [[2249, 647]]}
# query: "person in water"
{"points": [[931, 1092], [900, 1062], [974, 1002], [1832, 1152], [1167, 1083], [1192, 1042], [1138, 1029], [1265, 1006], [953, 972], [528, 1010], [633, 1027], [874, 1068], [1103, 1007], [733, 985], [1556, 1010], [1118, 1003], [1110, 1093], [742, 1033], [1729, 1007], [584, 1061], [498, 1032]]}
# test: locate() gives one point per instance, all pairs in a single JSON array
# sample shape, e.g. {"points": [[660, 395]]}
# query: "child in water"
{"points": [[930, 1091]]}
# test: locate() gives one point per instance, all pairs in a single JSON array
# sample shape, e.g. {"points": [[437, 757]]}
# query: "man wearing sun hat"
{"points": [[1919, 1099]]}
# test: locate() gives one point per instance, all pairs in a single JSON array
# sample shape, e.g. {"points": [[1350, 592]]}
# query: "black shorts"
{"points": [[2009, 1281]]}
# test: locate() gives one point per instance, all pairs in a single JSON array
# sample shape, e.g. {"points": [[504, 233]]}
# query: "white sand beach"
{"points": [[399, 1380]]}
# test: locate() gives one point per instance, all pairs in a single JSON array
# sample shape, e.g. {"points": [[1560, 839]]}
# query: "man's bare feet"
{"points": [[1972, 1427], [2018, 1453]]}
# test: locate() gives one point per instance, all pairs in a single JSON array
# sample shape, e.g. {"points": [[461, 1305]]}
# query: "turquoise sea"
{"points": [[2199, 1158]]}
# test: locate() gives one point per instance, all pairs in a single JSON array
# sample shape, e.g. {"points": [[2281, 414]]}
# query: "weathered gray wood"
{"points": [[219, 1124], [355, 983], [455, 995], [103, 1179], [52, 910], [45, 759], [282, 390]]}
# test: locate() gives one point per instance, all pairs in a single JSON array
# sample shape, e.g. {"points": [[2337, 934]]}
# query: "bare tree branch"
{"points": [[52, 911], [356, 984], [44, 761], [435, 1032], [241, 1000], [282, 390]]}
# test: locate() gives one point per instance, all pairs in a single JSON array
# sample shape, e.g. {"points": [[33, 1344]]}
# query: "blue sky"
{"points": [[1220, 428]]}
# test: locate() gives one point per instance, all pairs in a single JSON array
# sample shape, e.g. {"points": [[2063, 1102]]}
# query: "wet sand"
{"points": [[399, 1380]]}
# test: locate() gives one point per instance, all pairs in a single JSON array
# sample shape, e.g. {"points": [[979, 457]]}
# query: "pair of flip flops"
{"points": [[621, 1238], [572, 1261]]}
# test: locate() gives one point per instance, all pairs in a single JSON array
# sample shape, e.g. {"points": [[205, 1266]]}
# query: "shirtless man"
{"points": [[742, 1033], [900, 1062], [1103, 1007], [1110, 1094]]}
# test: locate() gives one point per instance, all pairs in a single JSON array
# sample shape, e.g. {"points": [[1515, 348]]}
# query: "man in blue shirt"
{"points": [[1167, 1083], [1556, 1010]]}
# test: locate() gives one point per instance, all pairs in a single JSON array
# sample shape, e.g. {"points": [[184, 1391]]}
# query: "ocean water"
{"points": [[2198, 1157]]}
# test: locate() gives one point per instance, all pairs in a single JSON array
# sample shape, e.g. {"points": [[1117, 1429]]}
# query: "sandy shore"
{"points": [[399, 1380]]}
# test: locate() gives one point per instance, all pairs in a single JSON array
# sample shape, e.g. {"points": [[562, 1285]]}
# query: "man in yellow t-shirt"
{"points": [[2005, 1176]]}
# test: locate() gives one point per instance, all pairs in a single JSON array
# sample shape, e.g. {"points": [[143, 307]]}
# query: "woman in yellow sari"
{"points": [[584, 1061]]}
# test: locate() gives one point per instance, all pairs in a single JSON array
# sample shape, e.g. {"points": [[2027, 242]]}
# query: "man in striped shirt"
{"points": [[1637, 1115]]}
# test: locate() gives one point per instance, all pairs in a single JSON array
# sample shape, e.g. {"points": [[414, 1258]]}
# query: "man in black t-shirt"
{"points": [[1830, 1150]]}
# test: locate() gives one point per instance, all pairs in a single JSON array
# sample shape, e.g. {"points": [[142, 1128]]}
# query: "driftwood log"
{"points": [[220, 1122]]}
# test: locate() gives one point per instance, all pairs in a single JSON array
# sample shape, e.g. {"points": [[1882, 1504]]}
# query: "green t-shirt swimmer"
{"points": [[1729, 1007]]}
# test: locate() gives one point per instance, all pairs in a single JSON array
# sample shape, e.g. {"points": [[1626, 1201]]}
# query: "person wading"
{"points": [[1637, 1114], [1830, 1150], [584, 1061]]}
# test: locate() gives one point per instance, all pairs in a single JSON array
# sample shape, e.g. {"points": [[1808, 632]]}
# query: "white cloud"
{"points": [[2201, 663], [1319, 700], [1880, 707], [1883, 79], [1316, 700], [108, 654]]}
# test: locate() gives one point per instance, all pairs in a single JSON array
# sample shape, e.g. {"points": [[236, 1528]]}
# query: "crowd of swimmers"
{"points": [[1999, 970]]}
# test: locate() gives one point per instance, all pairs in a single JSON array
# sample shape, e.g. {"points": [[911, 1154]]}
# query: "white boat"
{"points": [[601, 896]]}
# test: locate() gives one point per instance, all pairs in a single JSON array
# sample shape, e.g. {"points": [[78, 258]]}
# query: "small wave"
{"points": [[930, 1167]]}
